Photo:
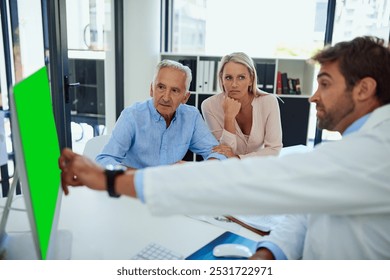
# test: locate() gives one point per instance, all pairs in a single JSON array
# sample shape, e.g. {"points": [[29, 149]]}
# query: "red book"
{"points": [[279, 83]]}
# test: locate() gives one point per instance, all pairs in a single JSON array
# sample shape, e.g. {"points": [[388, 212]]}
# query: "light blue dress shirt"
{"points": [[141, 139]]}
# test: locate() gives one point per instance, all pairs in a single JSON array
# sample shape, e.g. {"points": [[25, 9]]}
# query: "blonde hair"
{"points": [[244, 59]]}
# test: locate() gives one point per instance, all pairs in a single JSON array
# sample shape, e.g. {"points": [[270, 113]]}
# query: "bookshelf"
{"points": [[294, 108], [205, 69]]}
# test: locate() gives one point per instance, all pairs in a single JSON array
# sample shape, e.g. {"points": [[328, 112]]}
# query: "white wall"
{"points": [[141, 47]]}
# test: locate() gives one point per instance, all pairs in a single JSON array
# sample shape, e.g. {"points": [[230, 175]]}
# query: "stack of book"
{"points": [[286, 85]]}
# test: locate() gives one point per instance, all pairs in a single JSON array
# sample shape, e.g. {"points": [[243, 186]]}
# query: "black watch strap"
{"points": [[110, 179]]}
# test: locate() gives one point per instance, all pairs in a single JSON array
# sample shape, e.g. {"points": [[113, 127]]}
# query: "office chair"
{"points": [[95, 145]]}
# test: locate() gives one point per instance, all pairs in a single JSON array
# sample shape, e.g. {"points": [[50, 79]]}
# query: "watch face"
{"points": [[116, 167], [120, 167], [110, 167]]}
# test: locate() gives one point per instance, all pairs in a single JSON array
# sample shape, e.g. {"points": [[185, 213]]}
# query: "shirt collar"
{"points": [[356, 125]]}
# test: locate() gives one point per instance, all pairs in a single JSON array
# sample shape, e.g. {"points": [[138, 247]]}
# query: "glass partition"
{"points": [[88, 23]]}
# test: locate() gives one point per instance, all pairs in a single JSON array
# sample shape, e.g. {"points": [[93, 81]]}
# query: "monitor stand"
{"points": [[20, 246]]}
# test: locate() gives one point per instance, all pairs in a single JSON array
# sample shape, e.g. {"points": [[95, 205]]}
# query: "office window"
{"points": [[357, 17], [261, 28], [21, 35], [27, 37]]}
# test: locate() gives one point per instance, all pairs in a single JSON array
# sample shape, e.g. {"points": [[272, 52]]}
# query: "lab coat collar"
{"points": [[378, 116]]}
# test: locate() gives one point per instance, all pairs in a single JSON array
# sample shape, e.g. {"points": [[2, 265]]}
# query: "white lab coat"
{"points": [[343, 186]]}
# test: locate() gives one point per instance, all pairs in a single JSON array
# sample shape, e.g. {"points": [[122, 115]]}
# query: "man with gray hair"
{"points": [[160, 130]]}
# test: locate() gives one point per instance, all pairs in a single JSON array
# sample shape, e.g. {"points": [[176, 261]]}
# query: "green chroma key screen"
{"points": [[40, 149]]}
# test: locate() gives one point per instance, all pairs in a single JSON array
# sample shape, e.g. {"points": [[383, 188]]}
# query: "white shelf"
{"points": [[86, 54], [295, 110], [296, 68]]}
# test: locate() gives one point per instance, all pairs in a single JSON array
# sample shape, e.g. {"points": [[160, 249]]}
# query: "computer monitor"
{"points": [[36, 149]]}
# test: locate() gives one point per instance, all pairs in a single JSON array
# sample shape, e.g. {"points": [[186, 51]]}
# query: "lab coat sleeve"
{"points": [[289, 236], [335, 178]]}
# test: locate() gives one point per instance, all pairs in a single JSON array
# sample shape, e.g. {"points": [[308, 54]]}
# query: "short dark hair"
{"points": [[361, 57]]}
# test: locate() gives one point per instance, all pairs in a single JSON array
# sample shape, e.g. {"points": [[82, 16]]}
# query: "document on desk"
{"points": [[264, 223], [220, 221]]}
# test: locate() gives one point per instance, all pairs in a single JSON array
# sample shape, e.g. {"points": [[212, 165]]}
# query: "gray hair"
{"points": [[244, 59], [176, 65]]}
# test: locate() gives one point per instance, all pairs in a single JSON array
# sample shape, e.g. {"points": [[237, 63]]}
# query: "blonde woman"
{"points": [[245, 120]]}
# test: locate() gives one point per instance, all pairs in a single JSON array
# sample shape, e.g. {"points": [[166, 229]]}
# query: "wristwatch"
{"points": [[111, 173]]}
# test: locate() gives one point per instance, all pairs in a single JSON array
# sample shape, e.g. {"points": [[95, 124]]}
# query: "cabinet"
{"points": [[294, 104], [88, 103], [88, 97]]}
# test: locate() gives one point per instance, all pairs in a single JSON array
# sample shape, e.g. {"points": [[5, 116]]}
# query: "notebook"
{"points": [[206, 252]]}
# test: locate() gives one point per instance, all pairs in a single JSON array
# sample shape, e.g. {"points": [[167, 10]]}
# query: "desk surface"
{"points": [[109, 228]]}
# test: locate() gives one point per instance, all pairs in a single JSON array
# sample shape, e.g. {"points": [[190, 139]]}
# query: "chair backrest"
{"points": [[95, 145]]}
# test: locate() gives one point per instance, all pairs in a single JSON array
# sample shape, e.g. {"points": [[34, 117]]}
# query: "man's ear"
{"points": [[186, 97], [151, 90], [366, 89]]}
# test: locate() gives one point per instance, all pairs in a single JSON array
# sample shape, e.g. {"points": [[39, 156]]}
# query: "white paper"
{"points": [[262, 222]]}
